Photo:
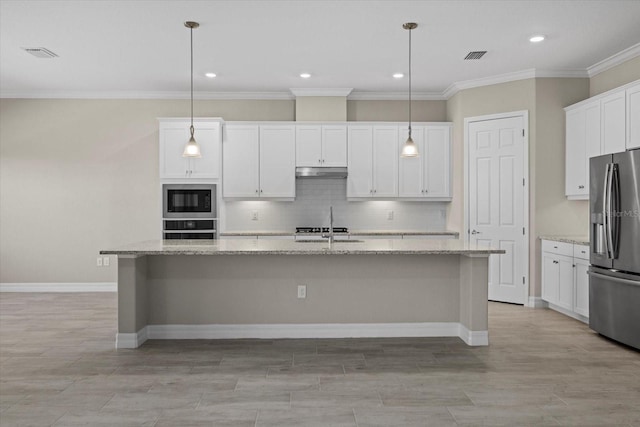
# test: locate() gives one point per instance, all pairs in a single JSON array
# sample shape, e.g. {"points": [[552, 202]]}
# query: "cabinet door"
{"points": [[308, 145], [240, 161], [550, 277], [385, 161], [613, 123], [207, 135], [411, 181], [581, 280], [173, 137], [277, 161], [437, 159], [633, 117], [576, 153], [565, 286], [360, 161], [334, 146]]}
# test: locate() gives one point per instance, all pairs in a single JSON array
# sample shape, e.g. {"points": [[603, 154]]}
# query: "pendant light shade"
{"points": [[409, 149], [192, 149]]}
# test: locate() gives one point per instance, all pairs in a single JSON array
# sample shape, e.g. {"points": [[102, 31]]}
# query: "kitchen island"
{"points": [[212, 289]]}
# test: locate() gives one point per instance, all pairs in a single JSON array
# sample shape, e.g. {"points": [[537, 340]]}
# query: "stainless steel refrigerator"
{"points": [[614, 275]]}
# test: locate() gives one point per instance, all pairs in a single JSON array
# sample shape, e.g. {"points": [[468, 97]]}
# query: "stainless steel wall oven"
{"points": [[189, 211]]}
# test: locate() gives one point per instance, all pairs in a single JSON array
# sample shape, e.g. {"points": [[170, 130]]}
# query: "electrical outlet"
{"points": [[254, 215], [390, 215], [105, 261], [302, 291], [99, 262]]}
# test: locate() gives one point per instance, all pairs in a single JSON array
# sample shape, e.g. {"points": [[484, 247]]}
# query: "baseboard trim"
{"points": [[537, 302], [59, 287], [474, 338], [321, 330], [131, 340], [569, 313]]}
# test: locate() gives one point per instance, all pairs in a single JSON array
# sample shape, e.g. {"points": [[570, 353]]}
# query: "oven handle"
{"points": [[614, 279]]}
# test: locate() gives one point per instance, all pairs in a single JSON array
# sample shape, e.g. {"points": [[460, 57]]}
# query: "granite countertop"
{"points": [[576, 240], [351, 233], [292, 247]]}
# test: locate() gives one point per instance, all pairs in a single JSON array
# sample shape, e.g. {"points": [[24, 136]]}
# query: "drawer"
{"points": [[559, 248], [581, 252]]}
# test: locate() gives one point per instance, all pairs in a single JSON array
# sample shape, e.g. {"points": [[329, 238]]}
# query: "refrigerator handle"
{"points": [[605, 211], [614, 199]]}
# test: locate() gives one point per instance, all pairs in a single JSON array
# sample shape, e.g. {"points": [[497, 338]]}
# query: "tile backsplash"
{"points": [[311, 208]]}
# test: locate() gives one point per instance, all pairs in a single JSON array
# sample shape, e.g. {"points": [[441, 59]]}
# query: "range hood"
{"points": [[313, 172]]}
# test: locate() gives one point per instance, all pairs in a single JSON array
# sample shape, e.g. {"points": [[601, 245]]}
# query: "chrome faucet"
{"points": [[330, 235]]}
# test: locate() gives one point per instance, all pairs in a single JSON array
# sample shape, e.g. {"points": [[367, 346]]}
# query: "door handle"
{"points": [[474, 232]]}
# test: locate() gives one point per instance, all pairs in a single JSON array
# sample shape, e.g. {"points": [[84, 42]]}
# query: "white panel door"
{"points": [[277, 161], [240, 161], [496, 202], [411, 169], [614, 123], [581, 280], [334, 145], [385, 161], [633, 117], [437, 153], [308, 145], [360, 161]]}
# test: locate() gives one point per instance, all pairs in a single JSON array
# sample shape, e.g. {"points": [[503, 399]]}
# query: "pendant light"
{"points": [[409, 149], [192, 149]]}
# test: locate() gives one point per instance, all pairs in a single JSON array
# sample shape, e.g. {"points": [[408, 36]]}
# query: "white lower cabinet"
{"points": [[565, 282]]}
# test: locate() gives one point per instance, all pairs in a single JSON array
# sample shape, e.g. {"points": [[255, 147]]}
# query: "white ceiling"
{"points": [[141, 48]]}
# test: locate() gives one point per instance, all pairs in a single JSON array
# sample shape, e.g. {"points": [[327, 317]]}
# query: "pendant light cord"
{"points": [[410, 82], [191, 128]]}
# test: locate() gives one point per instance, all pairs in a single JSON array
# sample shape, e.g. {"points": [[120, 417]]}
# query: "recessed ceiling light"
{"points": [[305, 75], [536, 39], [398, 75], [210, 75]]}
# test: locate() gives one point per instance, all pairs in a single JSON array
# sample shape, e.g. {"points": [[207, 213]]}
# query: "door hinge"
{"points": [[523, 231], [523, 182], [522, 132], [523, 280]]}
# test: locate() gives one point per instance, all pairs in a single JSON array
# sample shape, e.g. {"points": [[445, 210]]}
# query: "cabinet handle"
{"points": [[256, 191], [580, 187], [555, 262], [426, 191], [323, 161], [261, 190], [319, 161]]}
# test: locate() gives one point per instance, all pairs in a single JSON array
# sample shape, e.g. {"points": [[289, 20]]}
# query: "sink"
{"points": [[326, 241]]}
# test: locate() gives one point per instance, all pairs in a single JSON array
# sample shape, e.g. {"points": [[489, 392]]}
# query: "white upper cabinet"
{"points": [[240, 160], [385, 161], [259, 161], [360, 161], [174, 134], [277, 161], [321, 145], [428, 175], [605, 124], [633, 117], [582, 143], [613, 113]]}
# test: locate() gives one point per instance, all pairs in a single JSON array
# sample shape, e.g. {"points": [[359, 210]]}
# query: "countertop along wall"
{"points": [[79, 175]]}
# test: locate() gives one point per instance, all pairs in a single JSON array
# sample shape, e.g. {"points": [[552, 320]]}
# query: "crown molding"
{"points": [[340, 91], [395, 96], [148, 95], [511, 77], [614, 60]]}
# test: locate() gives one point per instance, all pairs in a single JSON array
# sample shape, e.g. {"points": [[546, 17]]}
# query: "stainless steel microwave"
{"points": [[189, 200]]}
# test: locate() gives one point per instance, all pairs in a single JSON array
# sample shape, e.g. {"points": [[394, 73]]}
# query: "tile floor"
{"points": [[58, 366]]}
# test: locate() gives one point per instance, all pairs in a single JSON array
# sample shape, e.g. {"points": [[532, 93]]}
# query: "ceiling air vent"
{"points": [[40, 52], [475, 55]]}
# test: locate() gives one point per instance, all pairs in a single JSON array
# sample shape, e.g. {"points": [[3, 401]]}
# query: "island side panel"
{"points": [[474, 305], [261, 289], [132, 301]]}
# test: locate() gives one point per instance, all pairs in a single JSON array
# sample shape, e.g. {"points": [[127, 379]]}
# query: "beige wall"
{"points": [[614, 77], [396, 111], [321, 108], [77, 176], [549, 210]]}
